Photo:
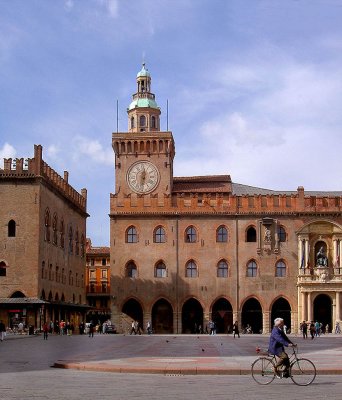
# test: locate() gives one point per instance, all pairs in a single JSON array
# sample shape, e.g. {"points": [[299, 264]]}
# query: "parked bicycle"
{"points": [[302, 371]]}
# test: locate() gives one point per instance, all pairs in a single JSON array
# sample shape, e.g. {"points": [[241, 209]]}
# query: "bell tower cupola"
{"points": [[143, 112]]}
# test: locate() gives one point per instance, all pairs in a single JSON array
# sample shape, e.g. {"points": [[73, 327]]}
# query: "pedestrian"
{"points": [[317, 329], [149, 328], [337, 327], [133, 328], [139, 328], [20, 328], [305, 330], [91, 329], [312, 330], [61, 327], [236, 329], [2, 330], [327, 327], [45, 330]]}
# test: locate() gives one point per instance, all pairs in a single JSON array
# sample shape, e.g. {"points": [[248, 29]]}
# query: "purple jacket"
{"points": [[278, 340]]}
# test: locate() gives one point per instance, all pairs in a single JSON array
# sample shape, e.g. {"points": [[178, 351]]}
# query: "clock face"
{"points": [[143, 177]]}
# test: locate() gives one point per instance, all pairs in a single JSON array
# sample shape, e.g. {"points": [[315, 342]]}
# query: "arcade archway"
{"points": [[252, 315], [162, 317], [323, 310], [133, 310], [281, 309], [222, 315], [192, 316]]}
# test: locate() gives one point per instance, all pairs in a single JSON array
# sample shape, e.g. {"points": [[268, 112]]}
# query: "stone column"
{"points": [[177, 322], [300, 252], [310, 308], [307, 255], [304, 316], [266, 322], [338, 307]]}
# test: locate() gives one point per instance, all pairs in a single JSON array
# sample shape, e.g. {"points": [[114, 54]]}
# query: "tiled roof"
{"points": [[223, 184], [98, 250], [202, 184], [240, 190]]}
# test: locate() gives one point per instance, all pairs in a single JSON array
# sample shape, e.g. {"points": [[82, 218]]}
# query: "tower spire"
{"points": [[143, 112]]}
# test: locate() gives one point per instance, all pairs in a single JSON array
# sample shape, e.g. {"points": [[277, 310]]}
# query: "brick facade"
{"points": [[42, 254], [188, 250]]}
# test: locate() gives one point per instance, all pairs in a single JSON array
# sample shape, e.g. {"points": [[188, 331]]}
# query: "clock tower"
{"points": [[143, 155]]}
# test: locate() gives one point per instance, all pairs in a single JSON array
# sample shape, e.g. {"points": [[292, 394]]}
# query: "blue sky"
{"points": [[254, 87]]}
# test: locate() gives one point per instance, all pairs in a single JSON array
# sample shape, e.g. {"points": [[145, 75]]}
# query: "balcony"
{"points": [[320, 274], [97, 290]]}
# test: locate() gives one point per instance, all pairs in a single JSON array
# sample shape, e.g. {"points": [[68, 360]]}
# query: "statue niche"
{"points": [[321, 258], [322, 270]]}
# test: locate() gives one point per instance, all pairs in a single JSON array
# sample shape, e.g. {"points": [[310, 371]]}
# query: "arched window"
{"points": [[142, 120], [54, 229], [159, 235], [252, 269], [131, 270], [131, 235], [3, 268], [70, 240], [251, 234], [71, 279], [77, 244], [47, 224], [57, 274], [160, 270], [190, 235], [132, 122], [43, 270], [280, 271], [62, 233], [50, 273], [222, 269], [281, 234], [82, 245], [11, 228], [191, 270], [153, 122], [221, 234]]}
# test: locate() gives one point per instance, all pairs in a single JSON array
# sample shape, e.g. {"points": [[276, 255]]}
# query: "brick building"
{"points": [[97, 280], [42, 236], [187, 250]]}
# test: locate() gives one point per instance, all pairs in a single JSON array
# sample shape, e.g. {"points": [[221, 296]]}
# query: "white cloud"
{"points": [[6, 151], [68, 5], [53, 151], [93, 149], [113, 8]]}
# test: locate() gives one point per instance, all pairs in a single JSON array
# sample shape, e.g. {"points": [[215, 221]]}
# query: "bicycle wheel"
{"points": [[302, 372], [263, 370]]}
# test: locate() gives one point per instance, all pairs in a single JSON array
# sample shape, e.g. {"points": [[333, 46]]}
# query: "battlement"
{"points": [[35, 167], [206, 203]]}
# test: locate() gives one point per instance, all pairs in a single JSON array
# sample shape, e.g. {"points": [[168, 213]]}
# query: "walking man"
{"points": [[2, 330]]}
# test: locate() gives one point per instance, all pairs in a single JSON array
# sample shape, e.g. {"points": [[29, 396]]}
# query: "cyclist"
{"points": [[277, 344]]}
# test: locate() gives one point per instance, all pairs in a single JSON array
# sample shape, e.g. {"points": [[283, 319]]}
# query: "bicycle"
{"points": [[302, 371]]}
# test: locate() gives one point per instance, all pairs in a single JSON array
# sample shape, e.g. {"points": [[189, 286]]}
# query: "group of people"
{"points": [[315, 329]]}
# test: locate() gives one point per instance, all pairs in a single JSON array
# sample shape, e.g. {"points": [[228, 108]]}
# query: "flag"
{"points": [[302, 262]]}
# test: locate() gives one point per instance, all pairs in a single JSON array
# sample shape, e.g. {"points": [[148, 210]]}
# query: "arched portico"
{"points": [[162, 317], [192, 316], [281, 309], [222, 315], [251, 315]]}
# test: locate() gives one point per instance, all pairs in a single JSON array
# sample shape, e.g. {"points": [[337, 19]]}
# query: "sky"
{"points": [[254, 88]]}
